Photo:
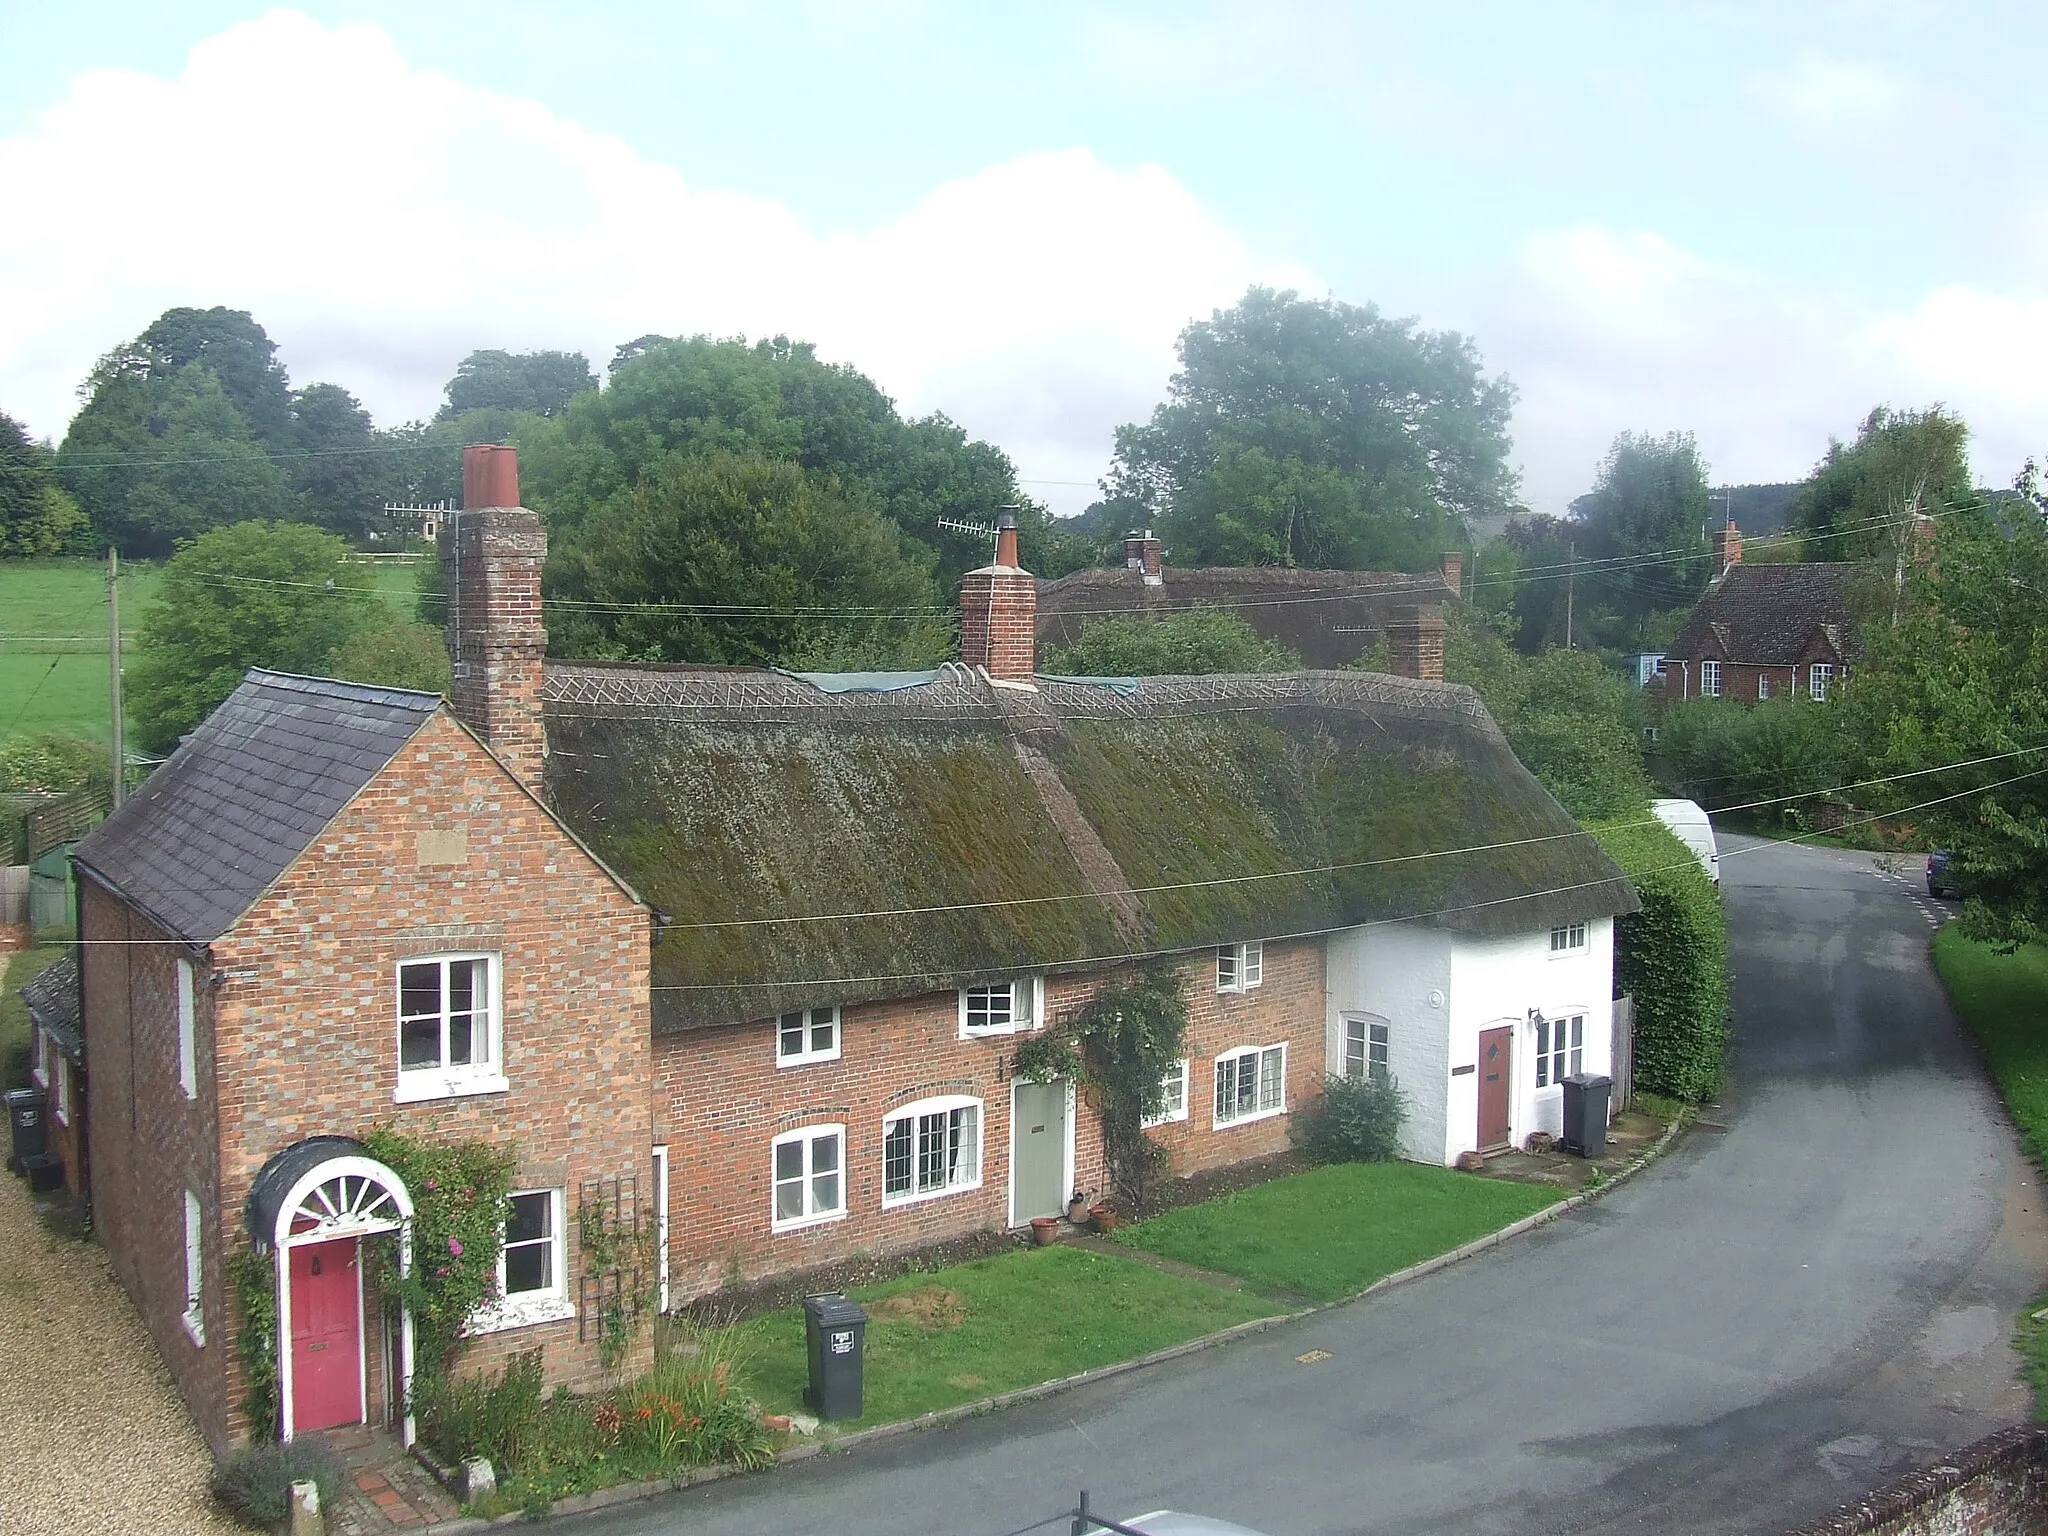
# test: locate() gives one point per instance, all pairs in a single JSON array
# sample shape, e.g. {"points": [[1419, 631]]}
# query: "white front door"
{"points": [[1041, 1149]]}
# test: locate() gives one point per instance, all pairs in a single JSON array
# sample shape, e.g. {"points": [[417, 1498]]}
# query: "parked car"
{"points": [[1166, 1522], [1689, 823], [1939, 881]]}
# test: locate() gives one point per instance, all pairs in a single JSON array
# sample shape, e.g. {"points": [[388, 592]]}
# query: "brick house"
{"points": [[1329, 618], [764, 946], [1767, 631]]}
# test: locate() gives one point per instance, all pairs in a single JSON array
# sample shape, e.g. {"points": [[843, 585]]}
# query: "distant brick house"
{"points": [[1766, 631], [766, 945], [1328, 618]]}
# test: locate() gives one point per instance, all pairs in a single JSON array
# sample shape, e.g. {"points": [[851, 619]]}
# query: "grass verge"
{"points": [[1329, 1233], [2002, 999], [962, 1334]]}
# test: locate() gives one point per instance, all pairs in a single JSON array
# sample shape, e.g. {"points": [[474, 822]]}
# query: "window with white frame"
{"points": [[448, 1026], [60, 1085], [195, 1274], [1567, 937], [1251, 1083], [39, 1058], [1173, 1102], [807, 1034], [810, 1177], [1818, 676], [999, 1007], [530, 1265], [1240, 967], [1710, 679], [1560, 1048], [188, 1029], [1763, 686], [931, 1148], [1367, 1046]]}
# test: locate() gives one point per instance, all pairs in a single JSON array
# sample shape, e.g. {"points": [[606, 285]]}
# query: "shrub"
{"points": [[1357, 1120], [256, 1483], [494, 1416], [1191, 641], [1672, 957], [691, 1407]]}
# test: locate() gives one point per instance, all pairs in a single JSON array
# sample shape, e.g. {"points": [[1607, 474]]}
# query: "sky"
{"points": [[1752, 222]]}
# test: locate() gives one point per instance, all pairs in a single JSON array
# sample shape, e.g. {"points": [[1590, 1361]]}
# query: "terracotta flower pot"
{"points": [[1105, 1216], [1077, 1209], [1044, 1229]]}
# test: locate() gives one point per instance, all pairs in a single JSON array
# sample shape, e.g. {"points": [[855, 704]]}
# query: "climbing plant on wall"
{"points": [[1122, 1045]]}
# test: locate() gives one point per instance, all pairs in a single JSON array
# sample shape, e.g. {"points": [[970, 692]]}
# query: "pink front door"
{"points": [[327, 1343]]}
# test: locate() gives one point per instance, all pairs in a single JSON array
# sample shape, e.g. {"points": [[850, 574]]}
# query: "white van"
{"points": [[1690, 825]]}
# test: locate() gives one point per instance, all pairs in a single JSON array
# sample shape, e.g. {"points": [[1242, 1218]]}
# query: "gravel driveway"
{"points": [[93, 1437]]}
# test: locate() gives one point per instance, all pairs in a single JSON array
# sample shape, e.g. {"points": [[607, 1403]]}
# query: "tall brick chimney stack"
{"points": [[491, 556], [1454, 571], [999, 611], [1142, 553], [1416, 638], [1727, 548]]}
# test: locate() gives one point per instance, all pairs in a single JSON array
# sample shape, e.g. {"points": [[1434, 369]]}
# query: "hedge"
{"points": [[1672, 957]]}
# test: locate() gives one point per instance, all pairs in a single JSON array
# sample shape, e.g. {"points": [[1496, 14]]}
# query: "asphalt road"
{"points": [[1767, 1322]]}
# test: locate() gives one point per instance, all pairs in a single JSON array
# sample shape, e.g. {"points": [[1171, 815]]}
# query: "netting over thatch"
{"points": [[807, 847]]}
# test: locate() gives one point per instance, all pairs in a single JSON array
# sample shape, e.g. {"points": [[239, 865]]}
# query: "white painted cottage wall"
{"points": [[1497, 982], [1390, 971]]}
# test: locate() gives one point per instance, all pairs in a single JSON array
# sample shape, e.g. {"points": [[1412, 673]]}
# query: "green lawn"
{"points": [[2003, 999], [53, 636], [957, 1335], [16, 971], [1331, 1232]]}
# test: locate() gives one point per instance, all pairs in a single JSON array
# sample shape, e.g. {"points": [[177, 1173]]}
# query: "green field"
{"points": [[53, 638]]}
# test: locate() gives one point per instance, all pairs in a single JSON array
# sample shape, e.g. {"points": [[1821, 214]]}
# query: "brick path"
{"points": [[388, 1490]]}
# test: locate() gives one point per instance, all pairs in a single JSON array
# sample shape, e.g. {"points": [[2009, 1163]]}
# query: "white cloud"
{"points": [[382, 220], [1607, 332]]}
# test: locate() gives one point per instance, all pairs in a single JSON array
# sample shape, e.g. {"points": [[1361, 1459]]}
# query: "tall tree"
{"points": [[1316, 433], [542, 383], [36, 516], [338, 473], [1963, 676], [156, 457], [234, 348], [1859, 503], [741, 558], [258, 594], [1645, 532]]}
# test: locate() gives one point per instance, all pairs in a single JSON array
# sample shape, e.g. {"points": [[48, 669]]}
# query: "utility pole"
{"points": [[114, 672], [1571, 555]]}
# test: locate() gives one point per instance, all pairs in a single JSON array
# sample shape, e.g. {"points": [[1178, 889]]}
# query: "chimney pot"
{"points": [[999, 611], [1006, 537], [490, 476]]}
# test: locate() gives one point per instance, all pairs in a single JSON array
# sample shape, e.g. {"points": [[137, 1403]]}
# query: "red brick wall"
{"points": [[150, 1144], [492, 560], [720, 1101], [999, 622], [63, 1084]]}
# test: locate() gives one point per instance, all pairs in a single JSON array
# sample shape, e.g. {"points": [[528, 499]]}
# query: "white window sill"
{"points": [[1176, 1119], [420, 1086], [1256, 1115], [805, 1223], [195, 1327], [59, 1116], [523, 1311], [806, 1060], [1238, 991], [41, 1079], [997, 1031], [891, 1202]]}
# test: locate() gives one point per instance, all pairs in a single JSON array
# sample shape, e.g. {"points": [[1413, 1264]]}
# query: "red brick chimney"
{"points": [[1454, 571], [1727, 548], [1416, 638], [491, 557], [1142, 553], [999, 611]]}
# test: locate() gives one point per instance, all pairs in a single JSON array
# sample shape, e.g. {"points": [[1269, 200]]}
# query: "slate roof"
{"points": [[244, 795], [52, 999], [807, 847], [1763, 615], [1329, 617]]}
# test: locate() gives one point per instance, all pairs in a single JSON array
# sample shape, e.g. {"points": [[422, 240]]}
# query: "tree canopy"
{"points": [[1191, 641], [535, 383], [1964, 675], [254, 594], [1859, 501], [1644, 530], [36, 516], [736, 557], [1315, 433]]}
